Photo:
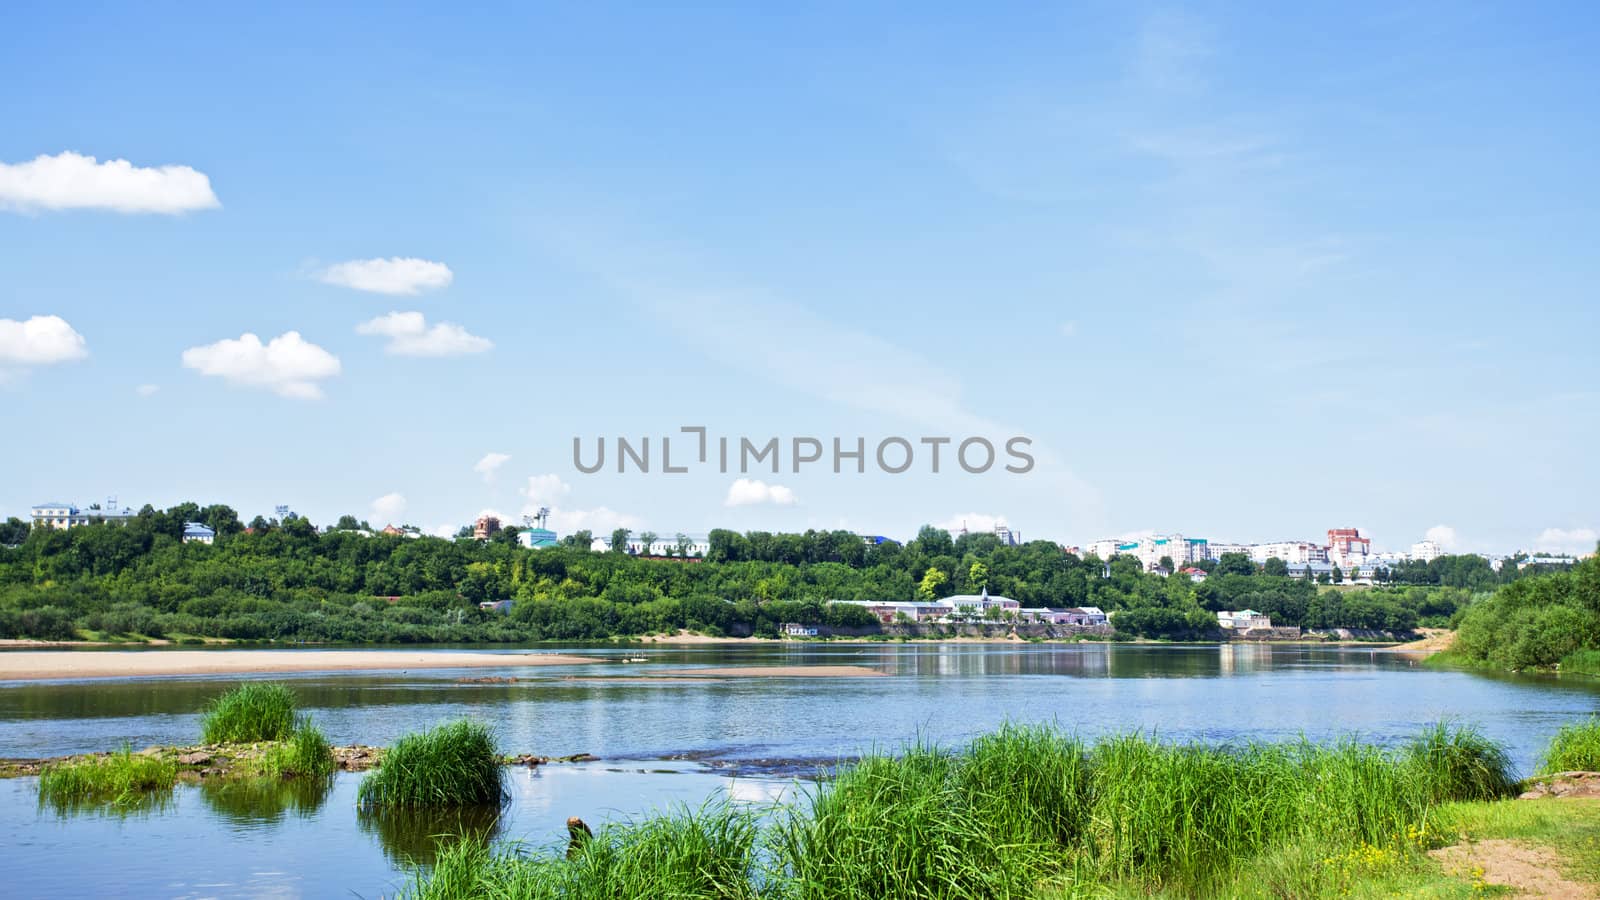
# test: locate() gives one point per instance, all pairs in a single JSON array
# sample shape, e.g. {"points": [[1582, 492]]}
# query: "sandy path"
{"points": [[32, 665], [1529, 869]]}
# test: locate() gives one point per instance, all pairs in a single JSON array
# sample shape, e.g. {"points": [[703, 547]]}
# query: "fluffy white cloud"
{"points": [[410, 334], [395, 275], [490, 462], [971, 521], [288, 364], [600, 521], [1443, 535], [39, 341], [388, 508], [147, 390], [545, 490], [1567, 540], [749, 492], [74, 181]]}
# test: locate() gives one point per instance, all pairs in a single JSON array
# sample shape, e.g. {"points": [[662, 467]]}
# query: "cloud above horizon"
{"points": [[388, 509], [489, 464], [410, 334], [750, 492], [74, 181], [1579, 541], [288, 365], [972, 522], [39, 341], [1443, 535], [396, 275]]}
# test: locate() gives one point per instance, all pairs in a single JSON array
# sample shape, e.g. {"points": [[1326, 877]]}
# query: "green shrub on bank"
{"points": [[123, 778], [1575, 748], [305, 754], [455, 764], [253, 711]]}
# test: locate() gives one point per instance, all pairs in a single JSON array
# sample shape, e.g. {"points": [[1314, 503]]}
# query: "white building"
{"points": [[663, 545], [1425, 551], [1243, 619], [58, 515], [198, 533], [1292, 552], [1150, 550]]}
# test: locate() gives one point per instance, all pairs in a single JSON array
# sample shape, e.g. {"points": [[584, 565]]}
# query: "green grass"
{"points": [[253, 711], [704, 854], [452, 765], [1575, 748], [305, 754], [121, 779], [1581, 662], [1029, 811]]}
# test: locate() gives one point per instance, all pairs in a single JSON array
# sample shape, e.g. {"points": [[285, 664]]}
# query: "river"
{"points": [[663, 741]]}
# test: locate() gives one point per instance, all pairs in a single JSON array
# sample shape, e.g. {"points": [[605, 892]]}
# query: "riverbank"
{"points": [[26, 665]]}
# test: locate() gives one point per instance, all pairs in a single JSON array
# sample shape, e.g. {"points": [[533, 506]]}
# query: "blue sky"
{"points": [[1238, 272]]}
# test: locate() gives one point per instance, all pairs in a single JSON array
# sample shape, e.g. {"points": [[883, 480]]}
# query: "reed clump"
{"points": [[254, 711], [123, 779], [455, 764], [1575, 748], [306, 754], [1456, 762]]}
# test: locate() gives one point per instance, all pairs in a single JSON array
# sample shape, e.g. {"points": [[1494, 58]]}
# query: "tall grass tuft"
{"points": [[123, 779], [894, 827], [455, 764], [1575, 748], [1456, 762], [253, 711], [1030, 784], [305, 754]]}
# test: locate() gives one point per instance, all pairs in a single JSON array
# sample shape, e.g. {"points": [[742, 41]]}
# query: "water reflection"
{"points": [[415, 837], [138, 805], [251, 802]]}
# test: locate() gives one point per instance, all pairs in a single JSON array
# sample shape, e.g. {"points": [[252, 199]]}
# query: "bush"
{"points": [[1575, 748], [254, 711], [452, 765]]}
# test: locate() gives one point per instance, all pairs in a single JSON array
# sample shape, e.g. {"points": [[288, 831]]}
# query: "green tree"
{"points": [[1275, 567], [978, 576], [932, 581], [619, 540], [647, 541]]}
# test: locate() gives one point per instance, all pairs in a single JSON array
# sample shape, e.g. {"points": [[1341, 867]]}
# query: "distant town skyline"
{"points": [[1251, 277]]}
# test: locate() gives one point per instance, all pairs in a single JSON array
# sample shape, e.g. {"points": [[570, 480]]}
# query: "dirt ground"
{"points": [[1529, 869]]}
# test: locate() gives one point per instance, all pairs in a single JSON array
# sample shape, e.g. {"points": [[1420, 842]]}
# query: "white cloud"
{"points": [[490, 462], [1443, 535], [410, 335], [1069, 328], [395, 275], [545, 490], [74, 181], [147, 390], [972, 521], [39, 341], [288, 364], [600, 521], [749, 492], [1567, 540], [388, 508]]}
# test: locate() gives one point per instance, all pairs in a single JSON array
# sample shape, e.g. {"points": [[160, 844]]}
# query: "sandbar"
{"points": [[26, 665], [771, 672]]}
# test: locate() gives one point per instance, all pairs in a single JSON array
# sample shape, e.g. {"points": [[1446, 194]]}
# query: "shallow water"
{"points": [[684, 740]]}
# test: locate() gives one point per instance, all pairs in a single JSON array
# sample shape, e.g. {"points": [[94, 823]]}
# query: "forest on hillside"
{"points": [[290, 581]]}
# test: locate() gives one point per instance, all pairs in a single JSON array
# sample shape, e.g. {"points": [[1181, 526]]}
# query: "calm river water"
{"points": [[679, 741]]}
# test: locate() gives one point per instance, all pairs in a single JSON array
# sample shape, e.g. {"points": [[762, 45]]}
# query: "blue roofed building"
{"points": [[198, 533]]}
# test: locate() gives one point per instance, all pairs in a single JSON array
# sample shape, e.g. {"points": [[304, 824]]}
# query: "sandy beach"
{"points": [[27, 665]]}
